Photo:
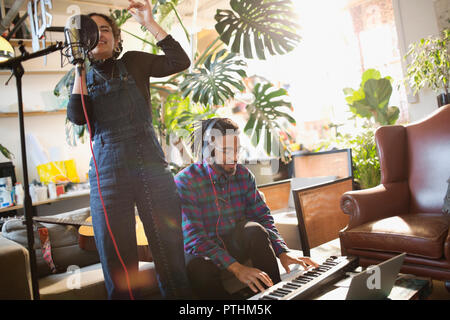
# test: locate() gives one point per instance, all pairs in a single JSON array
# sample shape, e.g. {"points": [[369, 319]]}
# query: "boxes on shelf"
{"points": [[58, 171]]}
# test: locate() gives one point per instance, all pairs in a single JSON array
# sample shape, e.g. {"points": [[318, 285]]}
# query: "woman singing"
{"points": [[132, 169]]}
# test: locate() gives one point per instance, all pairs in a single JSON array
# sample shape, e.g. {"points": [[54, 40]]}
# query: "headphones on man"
{"points": [[207, 139]]}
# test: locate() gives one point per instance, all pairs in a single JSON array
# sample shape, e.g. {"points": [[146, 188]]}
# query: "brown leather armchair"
{"points": [[404, 213]]}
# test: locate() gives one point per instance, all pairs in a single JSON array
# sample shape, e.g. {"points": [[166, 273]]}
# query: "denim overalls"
{"points": [[132, 170]]}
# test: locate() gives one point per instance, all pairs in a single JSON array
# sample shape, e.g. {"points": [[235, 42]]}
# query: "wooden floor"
{"points": [[332, 248]]}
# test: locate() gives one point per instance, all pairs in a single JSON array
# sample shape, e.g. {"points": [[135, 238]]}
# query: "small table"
{"points": [[406, 287]]}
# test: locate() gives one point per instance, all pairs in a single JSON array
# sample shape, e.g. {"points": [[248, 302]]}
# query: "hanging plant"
{"points": [[258, 26]]}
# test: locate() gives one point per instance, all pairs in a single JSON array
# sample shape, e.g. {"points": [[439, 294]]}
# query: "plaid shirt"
{"points": [[238, 198]]}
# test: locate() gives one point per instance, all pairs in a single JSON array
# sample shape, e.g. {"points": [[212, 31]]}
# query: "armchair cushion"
{"points": [[418, 234]]}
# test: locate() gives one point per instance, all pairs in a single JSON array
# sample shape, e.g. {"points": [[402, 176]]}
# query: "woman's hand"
{"points": [[141, 12], [144, 15]]}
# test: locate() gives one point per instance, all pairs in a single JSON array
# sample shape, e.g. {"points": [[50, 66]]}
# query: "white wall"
{"points": [[50, 132], [416, 19]]}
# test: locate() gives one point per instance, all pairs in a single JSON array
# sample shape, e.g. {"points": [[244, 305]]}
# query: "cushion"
{"points": [[63, 240], [446, 207], [297, 183], [420, 234], [64, 286]]}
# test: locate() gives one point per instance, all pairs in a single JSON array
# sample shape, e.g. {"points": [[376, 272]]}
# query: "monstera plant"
{"points": [[216, 80], [258, 26], [253, 29], [265, 112]]}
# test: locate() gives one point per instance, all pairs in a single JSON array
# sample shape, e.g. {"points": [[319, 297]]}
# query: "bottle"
{"points": [[52, 190], [5, 197], [19, 193]]}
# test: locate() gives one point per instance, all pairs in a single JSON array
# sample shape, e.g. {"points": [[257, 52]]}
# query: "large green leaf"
{"points": [[371, 100], [258, 26], [378, 92], [6, 152], [216, 80], [370, 74], [265, 115], [392, 115]]}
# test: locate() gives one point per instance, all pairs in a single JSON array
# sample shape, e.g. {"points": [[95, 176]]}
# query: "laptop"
{"points": [[376, 282]]}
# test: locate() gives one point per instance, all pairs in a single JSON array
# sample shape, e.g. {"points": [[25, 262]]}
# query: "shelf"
{"points": [[37, 72], [32, 113], [15, 42], [29, 42], [66, 196]]}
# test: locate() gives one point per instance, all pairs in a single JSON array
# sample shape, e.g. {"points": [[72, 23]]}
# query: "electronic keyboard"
{"points": [[302, 284]]}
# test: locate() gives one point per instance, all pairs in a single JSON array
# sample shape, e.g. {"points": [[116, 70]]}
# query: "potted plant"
{"points": [[371, 102], [430, 65]]}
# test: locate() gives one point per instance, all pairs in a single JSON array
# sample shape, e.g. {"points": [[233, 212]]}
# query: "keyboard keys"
{"points": [[267, 297], [291, 286], [285, 291], [277, 294], [303, 280], [300, 281]]}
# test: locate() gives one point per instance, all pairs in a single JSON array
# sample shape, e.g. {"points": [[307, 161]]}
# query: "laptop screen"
{"points": [[376, 282]]}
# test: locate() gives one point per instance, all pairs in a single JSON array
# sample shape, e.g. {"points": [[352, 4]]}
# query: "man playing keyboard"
{"points": [[225, 220]]}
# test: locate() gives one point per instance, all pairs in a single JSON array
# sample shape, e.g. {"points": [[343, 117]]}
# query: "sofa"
{"points": [[406, 212], [79, 273]]}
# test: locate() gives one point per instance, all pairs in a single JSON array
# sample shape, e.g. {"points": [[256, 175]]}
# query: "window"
{"points": [[340, 40]]}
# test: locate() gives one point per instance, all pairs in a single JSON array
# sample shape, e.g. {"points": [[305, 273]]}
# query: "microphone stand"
{"points": [[15, 64]]}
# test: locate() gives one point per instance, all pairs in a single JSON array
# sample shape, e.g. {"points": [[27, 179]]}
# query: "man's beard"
{"points": [[228, 169]]}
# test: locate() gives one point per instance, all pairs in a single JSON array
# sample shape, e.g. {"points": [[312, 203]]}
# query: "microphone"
{"points": [[81, 35]]}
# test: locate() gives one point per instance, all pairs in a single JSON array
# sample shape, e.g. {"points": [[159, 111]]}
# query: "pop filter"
{"points": [[81, 34]]}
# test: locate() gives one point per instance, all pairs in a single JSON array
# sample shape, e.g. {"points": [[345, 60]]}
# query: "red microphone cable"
{"points": [[79, 70]]}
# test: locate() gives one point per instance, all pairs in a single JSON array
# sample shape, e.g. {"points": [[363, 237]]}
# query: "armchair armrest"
{"points": [[382, 201], [14, 271]]}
